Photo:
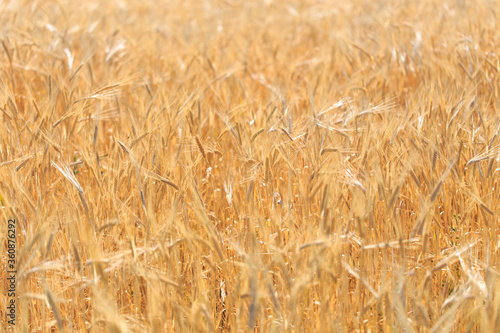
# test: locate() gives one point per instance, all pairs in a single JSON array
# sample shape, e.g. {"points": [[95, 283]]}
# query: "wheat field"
{"points": [[250, 166]]}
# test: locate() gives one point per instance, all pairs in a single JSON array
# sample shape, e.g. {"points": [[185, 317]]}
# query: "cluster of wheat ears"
{"points": [[267, 166]]}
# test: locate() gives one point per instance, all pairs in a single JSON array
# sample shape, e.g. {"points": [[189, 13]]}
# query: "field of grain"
{"points": [[250, 166]]}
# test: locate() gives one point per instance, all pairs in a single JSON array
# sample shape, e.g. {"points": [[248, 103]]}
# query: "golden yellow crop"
{"points": [[235, 166]]}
